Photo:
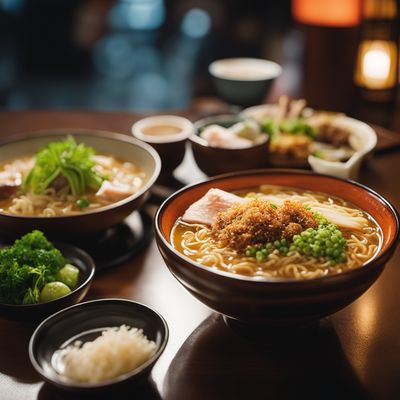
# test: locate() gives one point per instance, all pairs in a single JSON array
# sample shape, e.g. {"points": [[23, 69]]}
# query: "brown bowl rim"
{"points": [[119, 137], [267, 281]]}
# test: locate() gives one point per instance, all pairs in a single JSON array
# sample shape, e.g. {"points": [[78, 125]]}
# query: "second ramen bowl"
{"points": [[271, 302], [109, 143]]}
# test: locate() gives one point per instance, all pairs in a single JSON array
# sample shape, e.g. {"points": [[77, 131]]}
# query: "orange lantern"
{"points": [[336, 13], [378, 56]]}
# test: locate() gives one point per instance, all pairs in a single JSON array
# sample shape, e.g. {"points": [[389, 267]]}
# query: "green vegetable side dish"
{"points": [[28, 266], [67, 159]]}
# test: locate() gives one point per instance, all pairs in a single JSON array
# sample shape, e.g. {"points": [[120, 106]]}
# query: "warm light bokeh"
{"points": [[376, 64], [338, 13]]}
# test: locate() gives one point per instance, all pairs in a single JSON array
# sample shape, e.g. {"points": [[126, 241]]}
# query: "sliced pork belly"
{"points": [[112, 192], [205, 210], [10, 182], [218, 136]]}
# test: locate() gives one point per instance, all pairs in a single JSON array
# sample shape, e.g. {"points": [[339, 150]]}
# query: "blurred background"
{"points": [[148, 55]]}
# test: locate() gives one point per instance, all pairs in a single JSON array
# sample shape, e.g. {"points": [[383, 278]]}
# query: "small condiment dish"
{"points": [[243, 81], [217, 160], [37, 312], [85, 322], [167, 134]]}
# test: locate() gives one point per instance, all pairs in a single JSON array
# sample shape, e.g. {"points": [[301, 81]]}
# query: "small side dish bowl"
{"points": [[363, 140], [243, 81], [258, 113], [85, 322], [268, 301], [37, 312], [167, 134], [217, 160], [95, 220]]}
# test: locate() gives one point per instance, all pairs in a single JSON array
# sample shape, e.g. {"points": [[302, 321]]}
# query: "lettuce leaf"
{"points": [[66, 158]]}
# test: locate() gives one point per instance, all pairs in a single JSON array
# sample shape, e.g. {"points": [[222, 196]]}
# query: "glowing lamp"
{"points": [[335, 13], [376, 64]]}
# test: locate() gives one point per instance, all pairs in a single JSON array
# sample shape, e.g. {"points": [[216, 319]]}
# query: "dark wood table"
{"points": [[352, 354]]}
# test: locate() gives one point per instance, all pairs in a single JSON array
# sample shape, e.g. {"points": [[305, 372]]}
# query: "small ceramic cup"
{"points": [[167, 134], [243, 81]]}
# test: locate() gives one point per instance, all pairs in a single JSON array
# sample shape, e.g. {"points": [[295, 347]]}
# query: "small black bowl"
{"points": [[37, 312], [85, 322]]}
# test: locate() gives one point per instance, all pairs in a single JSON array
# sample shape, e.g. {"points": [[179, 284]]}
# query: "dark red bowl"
{"points": [[123, 146], [272, 302]]}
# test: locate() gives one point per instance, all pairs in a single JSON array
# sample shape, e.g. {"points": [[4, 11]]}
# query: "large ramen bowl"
{"points": [[276, 302], [121, 146]]}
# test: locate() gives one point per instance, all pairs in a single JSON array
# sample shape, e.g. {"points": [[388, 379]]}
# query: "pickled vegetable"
{"points": [[69, 275], [52, 291]]}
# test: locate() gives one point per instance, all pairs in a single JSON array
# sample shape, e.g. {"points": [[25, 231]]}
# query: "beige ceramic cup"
{"points": [[167, 134]]}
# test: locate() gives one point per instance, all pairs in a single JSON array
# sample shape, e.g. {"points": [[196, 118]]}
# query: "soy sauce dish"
{"points": [[80, 327]]}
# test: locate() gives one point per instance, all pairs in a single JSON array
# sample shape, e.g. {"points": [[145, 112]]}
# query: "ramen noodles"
{"points": [[276, 232]]}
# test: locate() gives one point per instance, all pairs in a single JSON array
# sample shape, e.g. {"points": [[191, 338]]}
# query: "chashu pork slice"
{"points": [[113, 192], [205, 210]]}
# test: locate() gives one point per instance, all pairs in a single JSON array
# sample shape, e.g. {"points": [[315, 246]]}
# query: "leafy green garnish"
{"points": [[296, 126], [270, 127], [26, 267], [66, 158], [318, 154]]}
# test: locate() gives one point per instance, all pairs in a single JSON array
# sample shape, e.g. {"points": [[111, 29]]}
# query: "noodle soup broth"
{"points": [[198, 242], [58, 200]]}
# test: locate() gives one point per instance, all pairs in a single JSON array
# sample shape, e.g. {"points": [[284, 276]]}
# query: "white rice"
{"points": [[117, 351]]}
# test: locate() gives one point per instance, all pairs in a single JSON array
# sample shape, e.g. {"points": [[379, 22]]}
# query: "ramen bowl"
{"points": [[88, 221], [243, 81], [37, 312], [273, 301], [217, 160]]}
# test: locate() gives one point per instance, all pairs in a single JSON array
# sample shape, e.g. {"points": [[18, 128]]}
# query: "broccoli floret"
{"points": [[26, 266]]}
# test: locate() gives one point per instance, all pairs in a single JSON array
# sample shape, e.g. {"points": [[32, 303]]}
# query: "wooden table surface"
{"points": [[353, 354]]}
